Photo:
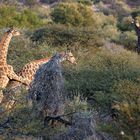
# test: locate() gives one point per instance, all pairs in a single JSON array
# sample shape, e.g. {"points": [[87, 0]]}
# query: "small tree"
{"points": [[72, 14]]}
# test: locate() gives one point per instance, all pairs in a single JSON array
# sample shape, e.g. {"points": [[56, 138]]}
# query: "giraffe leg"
{"points": [[3, 83], [14, 76], [1, 96], [19, 78]]}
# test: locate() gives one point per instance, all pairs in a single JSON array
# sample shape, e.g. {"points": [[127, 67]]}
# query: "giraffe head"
{"points": [[13, 31], [69, 57]]}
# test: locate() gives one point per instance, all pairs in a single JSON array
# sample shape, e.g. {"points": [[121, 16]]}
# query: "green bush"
{"points": [[126, 102], [8, 13], [104, 27], [29, 19], [13, 17], [111, 79], [100, 69], [59, 35], [126, 24], [72, 14], [128, 39]]}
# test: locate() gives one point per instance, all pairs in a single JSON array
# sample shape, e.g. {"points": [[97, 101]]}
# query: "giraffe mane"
{"points": [[43, 59]]}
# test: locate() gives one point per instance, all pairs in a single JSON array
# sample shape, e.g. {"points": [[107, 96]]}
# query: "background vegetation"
{"points": [[103, 40]]}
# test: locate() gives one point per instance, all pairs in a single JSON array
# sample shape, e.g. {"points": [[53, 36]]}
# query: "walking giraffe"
{"points": [[47, 88], [28, 72], [6, 71]]}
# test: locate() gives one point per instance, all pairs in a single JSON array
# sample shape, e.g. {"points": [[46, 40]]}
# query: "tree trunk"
{"points": [[137, 29], [138, 45]]}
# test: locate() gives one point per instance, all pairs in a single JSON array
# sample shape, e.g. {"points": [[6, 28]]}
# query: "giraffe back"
{"points": [[29, 70]]}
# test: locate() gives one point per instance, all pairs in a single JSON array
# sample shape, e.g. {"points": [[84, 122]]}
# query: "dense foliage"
{"points": [[111, 80], [73, 14], [24, 19], [103, 39]]}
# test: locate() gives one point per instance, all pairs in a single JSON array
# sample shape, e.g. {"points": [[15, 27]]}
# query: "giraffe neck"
{"points": [[4, 48]]}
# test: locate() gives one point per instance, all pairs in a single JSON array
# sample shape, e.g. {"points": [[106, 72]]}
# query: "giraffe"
{"points": [[6, 71], [46, 92], [5, 43], [28, 72]]}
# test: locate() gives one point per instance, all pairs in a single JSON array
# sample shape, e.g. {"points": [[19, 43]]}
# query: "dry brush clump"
{"points": [[47, 89], [83, 127]]}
